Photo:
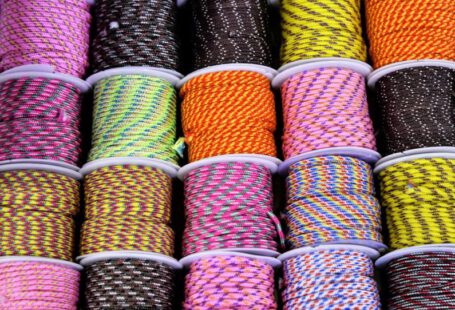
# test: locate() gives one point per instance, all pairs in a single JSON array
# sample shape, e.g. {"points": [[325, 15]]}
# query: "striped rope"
{"points": [[134, 116], [418, 199], [330, 279], [52, 32], [331, 199], [325, 108], [39, 119], [37, 285], [230, 112], [37, 210], [321, 28], [229, 282], [229, 205], [127, 208]]}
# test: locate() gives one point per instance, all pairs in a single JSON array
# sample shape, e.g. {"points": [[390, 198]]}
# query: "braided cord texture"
{"points": [[52, 32], [331, 199], [129, 284], [418, 198], [134, 116], [36, 214], [127, 208], [321, 28], [410, 30], [39, 119], [229, 112], [325, 108]]}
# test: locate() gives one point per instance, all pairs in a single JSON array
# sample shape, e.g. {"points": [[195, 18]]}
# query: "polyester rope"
{"points": [[134, 116], [321, 28], [233, 31], [229, 205], [52, 32], [418, 198], [119, 284], [230, 282], [410, 30], [417, 107], [135, 33], [37, 285], [127, 208], [330, 279], [422, 281], [230, 112], [325, 108], [36, 214], [331, 199], [39, 119]]}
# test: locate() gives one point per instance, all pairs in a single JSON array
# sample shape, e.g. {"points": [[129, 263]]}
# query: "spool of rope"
{"points": [[410, 30], [52, 32], [39, 119], [134, 116], [230, 32], [418, 198], [330, 279], [417, 107], [229, 282], [321, 28], [38, 285], [230, 112], [229, 205], [422, 281], [129, 284], [331, 199], [325, 108], [37, 210], [135, 33], [127, 208]]}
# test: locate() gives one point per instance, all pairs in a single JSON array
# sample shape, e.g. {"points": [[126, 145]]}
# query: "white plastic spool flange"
{"points": [[40, 167], [384, 260], [373, 254], [36, 259], [392, 162]]}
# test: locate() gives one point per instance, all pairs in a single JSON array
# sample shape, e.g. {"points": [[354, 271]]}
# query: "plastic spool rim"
{"points": [[53, 261], [392, 162], [423, 150], [372, 253], [40, 167], [188, 260], [49, 162], [164, 74]]}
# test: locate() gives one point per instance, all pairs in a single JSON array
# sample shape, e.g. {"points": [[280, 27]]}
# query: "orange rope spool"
{"points": [[229, 112], [410, 30]]}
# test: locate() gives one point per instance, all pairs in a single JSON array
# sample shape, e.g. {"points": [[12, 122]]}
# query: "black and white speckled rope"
{"points": [[135, 33]]}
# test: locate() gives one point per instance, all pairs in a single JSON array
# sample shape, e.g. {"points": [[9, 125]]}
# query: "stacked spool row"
{"points": [[414, 82], [43, 56]]}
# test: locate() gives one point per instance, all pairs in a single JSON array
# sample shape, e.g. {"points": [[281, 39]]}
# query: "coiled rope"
{"points": [[134, 116], [53, 32], [39, 119], [410, 30], [127, 208], [330, 279], [331, 199], [229, 282], [417, 107], [129, 284], [36, 214], [231, 32], [418, 198], [325, 108], [135, 33], [321, 28], [37, 285], [229, 205], [422, 281], [228, 112]]}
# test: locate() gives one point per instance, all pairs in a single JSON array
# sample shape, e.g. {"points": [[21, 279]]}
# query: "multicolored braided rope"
{"points": [[52, 32], [230, 205], [127, 208], [330, 279], [331, 199], [37, 210], [324, 108], [39, 119], [230, 282]]}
